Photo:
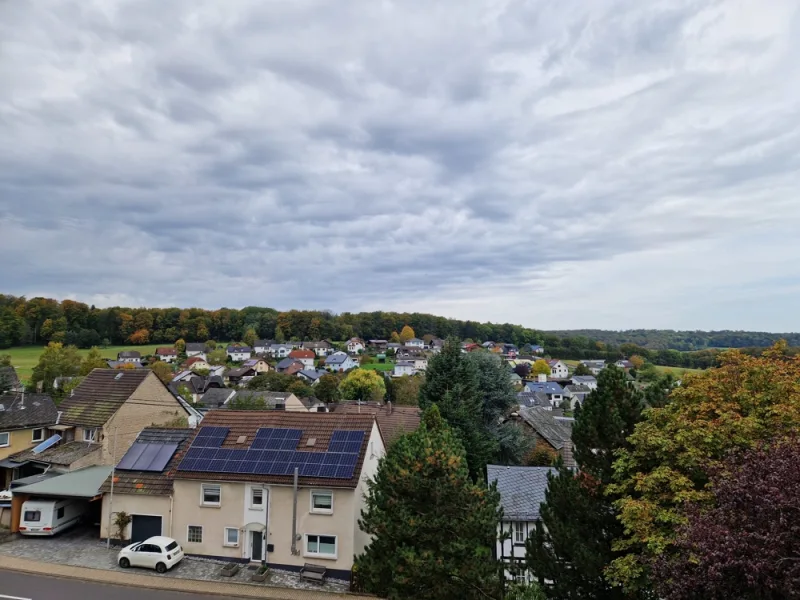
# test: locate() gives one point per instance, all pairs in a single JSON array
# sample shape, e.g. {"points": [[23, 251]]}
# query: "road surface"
{"points": [[21, 586]]}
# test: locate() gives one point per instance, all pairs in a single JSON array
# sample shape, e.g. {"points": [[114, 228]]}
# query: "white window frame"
{"points": [[90, 434], [253, 505], [188, 533], [226, 542], [8, 439], [203, 487], [36, 440], [518, 528], [306, 552], [320, 511]]}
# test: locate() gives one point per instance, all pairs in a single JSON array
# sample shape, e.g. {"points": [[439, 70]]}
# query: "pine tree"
{"points": [[433, 529], [572, 544]]}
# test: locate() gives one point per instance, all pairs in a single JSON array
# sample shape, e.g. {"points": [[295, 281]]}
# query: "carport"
{"points": [[83, 484]]}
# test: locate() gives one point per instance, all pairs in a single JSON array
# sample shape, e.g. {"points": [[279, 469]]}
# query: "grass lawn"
{"points": [[387, 366], [677, 371]]}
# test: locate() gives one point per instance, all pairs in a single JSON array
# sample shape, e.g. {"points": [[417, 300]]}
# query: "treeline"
{"points": [[687, 341], [42, 320]]}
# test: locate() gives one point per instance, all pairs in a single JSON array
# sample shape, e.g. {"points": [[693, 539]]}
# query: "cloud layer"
{"points": [[600, 164]]}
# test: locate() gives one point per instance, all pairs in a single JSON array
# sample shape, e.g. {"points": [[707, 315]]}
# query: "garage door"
{"points": [[144, 526]]}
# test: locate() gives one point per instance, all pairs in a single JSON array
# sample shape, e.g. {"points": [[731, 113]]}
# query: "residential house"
{"points": [[142, 487], [558, 369], [536, 349], [314, 404], [394, 346], [624, 364], [100, 420], [340, 361], [555, 393], [191, 387], [24, 423], [355, 345], [522, 492], [436, 345], [9, 380], [259, 365], [415, 343], [588, 381], [196, 349], [576, 394], [595, 366], [239, 376], [166, 354], [420, 363], [262, 346], [239, 353], [470, 347], [214, 398], [248, 509], [552, 431], [408, 352], [272, 400], [289, 366], [280, 350], [404, 367], [129, 356], [197, 363], [322, 348], [487, 345], [537, 399], [304, 356], [393, 421], [510, 351], [378, 344], [131, 364], [311, 376]]}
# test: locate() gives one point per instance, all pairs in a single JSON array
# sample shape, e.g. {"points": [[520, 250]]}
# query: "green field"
{"points": [[677, 371], [387, 366]]}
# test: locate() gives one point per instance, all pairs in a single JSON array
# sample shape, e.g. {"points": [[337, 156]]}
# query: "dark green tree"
{"points": [[572, 544], [271, 382], [57, 360], [582, 369], [327, 388], [453, 383], [433, 529]]}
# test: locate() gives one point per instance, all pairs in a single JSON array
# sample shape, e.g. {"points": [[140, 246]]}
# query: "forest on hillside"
{"points": [[686, 341]]}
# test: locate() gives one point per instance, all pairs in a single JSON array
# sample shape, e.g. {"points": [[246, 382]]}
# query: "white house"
{"points": [[167, 354], [355, 345], [595, 366], [420, 362], [588, 380], [239, 353], [196, 349], [304, 356], [279, 350], [415, 343], [129, 356], [404, 367], [340, 361], [555, 392], [558, 369], [522, 491], [624, 364], [323, 348], [261, 346]]}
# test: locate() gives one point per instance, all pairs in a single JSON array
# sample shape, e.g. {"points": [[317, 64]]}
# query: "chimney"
{"points": [[541, 378], [390, 406]]}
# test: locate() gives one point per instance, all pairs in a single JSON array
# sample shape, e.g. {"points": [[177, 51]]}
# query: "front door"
{"points": [[256, 545]]}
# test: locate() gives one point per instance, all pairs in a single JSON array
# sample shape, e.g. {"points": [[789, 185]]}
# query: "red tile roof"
{"points": [[166, 351], [302, 354], [393, 421]]}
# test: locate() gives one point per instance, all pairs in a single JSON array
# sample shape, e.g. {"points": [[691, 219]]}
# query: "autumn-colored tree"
{"points": [[540, 367], [93, 360], [57, 360], [422, 490], [405, 389], [748, 544], [407, 334], [162, 370], [139, 337], [180, 346], [637, 361], [249, 338], [541, 455], [126, 325], [734, 407], [315, 329], [394, 338], [361, 384], [211, 344]]}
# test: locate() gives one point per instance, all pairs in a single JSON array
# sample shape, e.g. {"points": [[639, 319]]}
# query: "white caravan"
{"points": [[48, 517]]}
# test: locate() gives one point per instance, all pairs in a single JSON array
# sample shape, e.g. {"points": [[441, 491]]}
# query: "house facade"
{"points": [[522, 491], [340, 362], [196, 349], [262, 346], [558, 369], [280, 350], [588, 381], [404, 367], [306, 357], [239, 353], [259, 365], [198, 363], [321, 349], [415, 343], [594, 366], [167, 355], [129, 356], [25, 420], [355, 345]]}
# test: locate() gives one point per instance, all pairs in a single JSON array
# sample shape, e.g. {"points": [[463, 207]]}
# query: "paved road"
{"points": [[21, 586]]}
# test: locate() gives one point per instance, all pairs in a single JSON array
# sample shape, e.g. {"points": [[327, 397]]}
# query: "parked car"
{"points": [[159, 553], [48, 517]]}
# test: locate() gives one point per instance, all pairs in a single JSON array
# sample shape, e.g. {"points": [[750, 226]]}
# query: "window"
{"points": [[322, 546], [4, 441], [38, 435], [231, 536], [519, 532], [90, 435], [60, 513], [257, 498], [171, 546], [322, 502], [212, 495], [32, 516], [195, 535]]}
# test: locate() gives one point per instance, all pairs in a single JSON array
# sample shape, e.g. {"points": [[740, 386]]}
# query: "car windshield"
{"points": [[171, 546]]}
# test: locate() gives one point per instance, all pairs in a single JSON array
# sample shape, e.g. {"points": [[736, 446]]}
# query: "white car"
{"points": [[159, 553]]}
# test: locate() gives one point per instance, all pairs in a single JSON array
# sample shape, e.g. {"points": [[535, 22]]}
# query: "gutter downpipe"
{"points": [[294, 513]]}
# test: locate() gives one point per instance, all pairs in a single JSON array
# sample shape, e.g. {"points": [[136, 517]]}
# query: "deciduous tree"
{"points": [[57, 360], [361, 384], [637, 361], [540, 367], [433, 530], [327, 388], [217, 357], [162, 370], [93, 360], [180, 346], [139, 337], [249, 338], [582, 370], [272, 382], [406, 334], [405, 389]]}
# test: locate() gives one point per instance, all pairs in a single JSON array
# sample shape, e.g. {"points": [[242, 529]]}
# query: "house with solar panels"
{"points": [[283, 487]]}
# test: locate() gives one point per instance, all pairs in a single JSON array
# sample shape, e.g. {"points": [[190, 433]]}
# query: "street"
{"points": [[21, 586]]}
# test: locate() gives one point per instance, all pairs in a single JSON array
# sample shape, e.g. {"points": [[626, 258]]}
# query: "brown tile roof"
{"points": [[393, 421], [147, 483], [166, 351], [63, 454], [302, 354], [319, 426], [100, 395]]}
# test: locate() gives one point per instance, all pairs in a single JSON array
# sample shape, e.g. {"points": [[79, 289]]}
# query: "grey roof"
{"points": [[404, 363], [594, 363], [240, 372], [215, 397], [129, 354], [239, 349], [312, 374], [286, 363], [583, 379], [336, 358], [522, 490], [556, 432], [195, 347], [84, 483], [577, 389], [320, 344], [271, 399], [263, 343], [23, 411], [548, 387], [114, 364], [63, 454], [530, 399]]}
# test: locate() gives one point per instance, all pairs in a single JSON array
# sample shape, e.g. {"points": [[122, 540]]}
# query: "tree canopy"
{"points": [[56, 360], [540, 367], [93, 360], [362, 384]]}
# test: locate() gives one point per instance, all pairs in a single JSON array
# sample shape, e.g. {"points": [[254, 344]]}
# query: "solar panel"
{"points": [[48, 443], [131, 456]]}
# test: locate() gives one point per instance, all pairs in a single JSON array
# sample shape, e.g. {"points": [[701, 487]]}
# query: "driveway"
{"points": [[80, 548]]}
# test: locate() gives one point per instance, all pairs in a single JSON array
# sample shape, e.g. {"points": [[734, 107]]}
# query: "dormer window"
{"points": [[90, 435]]}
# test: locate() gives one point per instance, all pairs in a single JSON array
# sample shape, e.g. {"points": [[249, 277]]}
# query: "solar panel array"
{"points": [[147, 457], [273, 452]]}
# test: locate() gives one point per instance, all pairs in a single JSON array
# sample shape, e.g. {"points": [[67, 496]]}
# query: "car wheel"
{"points": [[161, 568], [124, 563]]}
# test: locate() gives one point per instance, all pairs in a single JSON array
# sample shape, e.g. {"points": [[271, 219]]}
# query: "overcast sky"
{"points": [[609, 164]]}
